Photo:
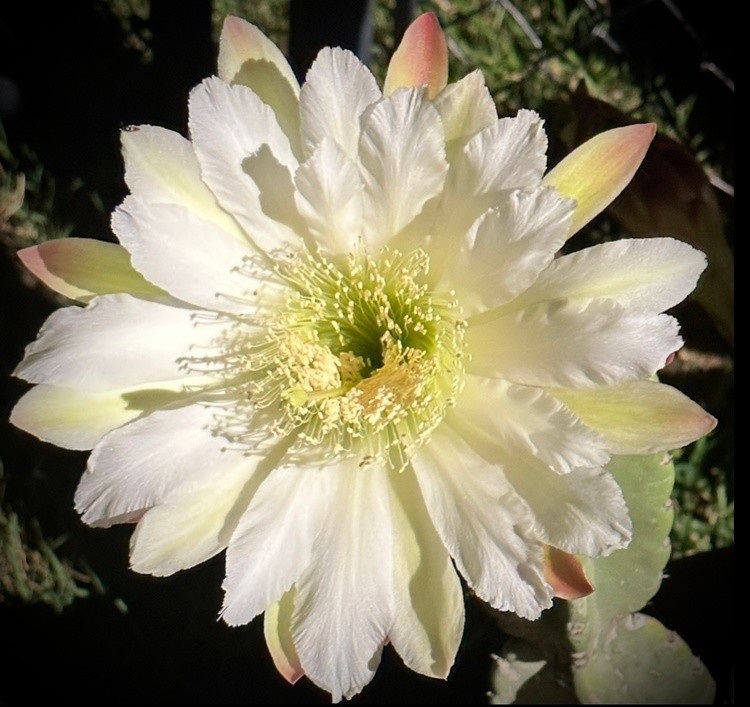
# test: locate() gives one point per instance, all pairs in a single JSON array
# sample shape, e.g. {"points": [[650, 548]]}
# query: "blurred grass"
{"points": [[32, 571], [537, 55], [27, 198], [703, 498]]}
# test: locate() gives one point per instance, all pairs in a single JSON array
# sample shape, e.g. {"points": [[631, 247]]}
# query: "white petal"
{"points": [[651, 274], [228, 124], [248, 57], [119, 341], [344, 605], [273, 181], [194, 260], [337, 90], [429, 602], [240, 42], [575, 344], [483, 525], [402, 155], [582, 512], [195, 520], [139, 465], [329, 196], [508, 247], [273, 542], [76, 420], [232, 122], [511, 154], [466, 107], [641, 417], [161, 168], [518, 417]]}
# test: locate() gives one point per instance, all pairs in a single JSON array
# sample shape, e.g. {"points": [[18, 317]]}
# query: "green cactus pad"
{"points": [[626, 657]]}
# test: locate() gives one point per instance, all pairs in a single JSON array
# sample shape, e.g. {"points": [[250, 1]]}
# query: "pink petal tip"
{"points": [[421, 58], [565, 574]]}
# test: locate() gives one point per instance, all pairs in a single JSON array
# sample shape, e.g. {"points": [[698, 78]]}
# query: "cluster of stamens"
{"points": [[359, 357]]}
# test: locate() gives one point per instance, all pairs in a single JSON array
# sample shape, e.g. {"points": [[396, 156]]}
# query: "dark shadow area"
{"points": [[697, 599], [78, 83]]}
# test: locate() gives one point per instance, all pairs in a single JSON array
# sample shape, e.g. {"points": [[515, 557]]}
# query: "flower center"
{"points": [[361, 358]]}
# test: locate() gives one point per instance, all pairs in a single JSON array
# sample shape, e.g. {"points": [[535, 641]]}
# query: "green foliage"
{"points": [[27, 199], [639, 661], [704, 517], [623, 656], [627, 579], [133, 17], [31, 571]]}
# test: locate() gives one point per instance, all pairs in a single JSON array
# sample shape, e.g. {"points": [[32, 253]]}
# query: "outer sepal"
{"points": [[421, 59], [597, 171], [81, 268]]}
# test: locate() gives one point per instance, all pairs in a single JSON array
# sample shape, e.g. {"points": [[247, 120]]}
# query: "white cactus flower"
{"points": [[335, 342]]}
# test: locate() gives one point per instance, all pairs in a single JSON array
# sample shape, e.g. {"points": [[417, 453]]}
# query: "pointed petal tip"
{"points": [[635, 139], [421, 58], [232, 23], [292, 675], [565, 574], [240, 42], [707, 424], [647, 129], [689, 418], [597, 171], [279, 641], [20, 416], [426, 23], [236, 32], [424, 30], [31, 259], [50, 263]]}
